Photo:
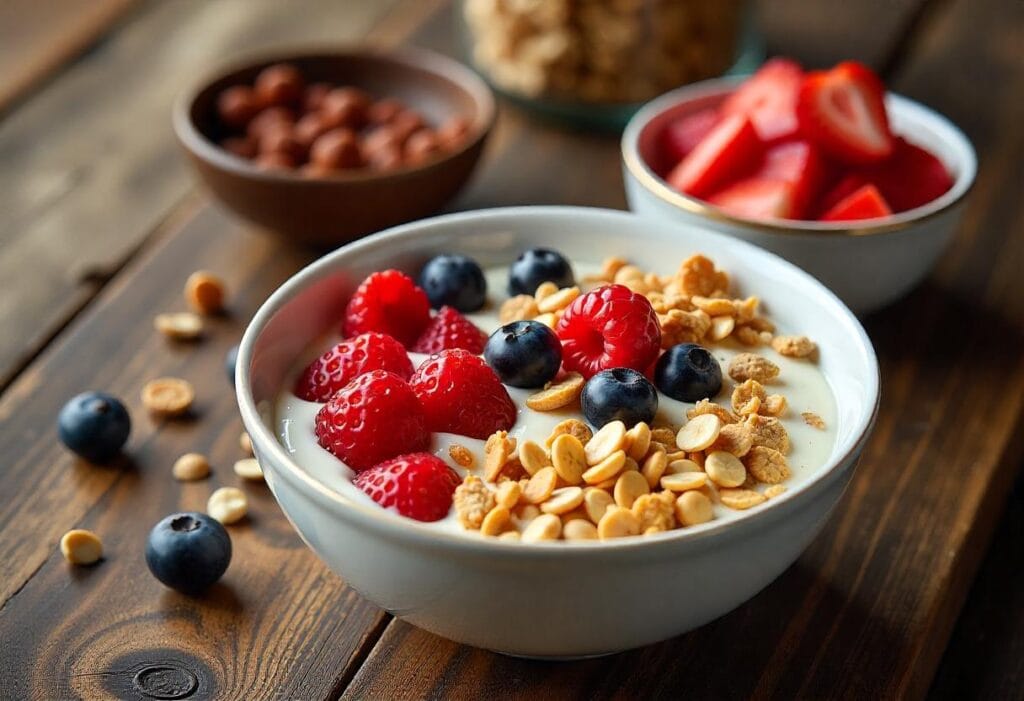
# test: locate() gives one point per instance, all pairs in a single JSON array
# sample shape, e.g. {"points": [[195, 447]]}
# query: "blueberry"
{"points": [[230, 360], [621, 394], [537, 265], [188, 551], [454, 281], [688, 372], [94, 425], [524, 353]]}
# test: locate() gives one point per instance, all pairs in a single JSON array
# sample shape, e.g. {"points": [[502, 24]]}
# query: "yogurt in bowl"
{"points": [[584, 598]]}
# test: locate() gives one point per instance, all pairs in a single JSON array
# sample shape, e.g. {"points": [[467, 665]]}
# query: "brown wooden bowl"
{"points": [[334, 209]]}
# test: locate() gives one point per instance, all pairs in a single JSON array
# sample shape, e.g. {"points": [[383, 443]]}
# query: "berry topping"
{"points": [[863, 203], [768, 98], [388, 302], [418, 485], [454, 280], [606, 328], [460, 394], [449, 329], [373, 418], [730, 147], [688, 372], [188, 551], [537, 265], [524, 353], [619, 394], [347, 361], [94, 426]]}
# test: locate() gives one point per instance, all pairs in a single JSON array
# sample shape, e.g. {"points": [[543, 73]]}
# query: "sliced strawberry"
{"points": [[757, 198], [910, 178], [800, 164], [768, 98], [843, 110], [730, 148], [864, 203], [682, 135]]}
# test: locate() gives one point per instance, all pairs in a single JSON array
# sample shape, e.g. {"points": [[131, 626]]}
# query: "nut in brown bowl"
{"points": [[325, 146]]}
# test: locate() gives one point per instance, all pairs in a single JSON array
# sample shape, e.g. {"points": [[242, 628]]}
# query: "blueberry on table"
{"points": [[454, 281], [619, 394], [188, 551], [94, 426], [230, 360], [524, 353], [688, 372], [537, 265]]}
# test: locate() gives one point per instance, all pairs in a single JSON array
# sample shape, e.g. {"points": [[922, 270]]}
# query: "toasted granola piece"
{"points": [[769, 432], [767, 465], [472, 502], [683, 327], [775, 490], [749, 336], [573, 427], [813, 420], [746, 309], [740, 499], [556, 395], [706, 406], [497, 451], [665, 435], [698, 276], [655, 511], [750, 366], [748, 397], [794, 346], [734, 438], [774, 405], [518, 308], [714, 306], [461, 455], [663, 302]]}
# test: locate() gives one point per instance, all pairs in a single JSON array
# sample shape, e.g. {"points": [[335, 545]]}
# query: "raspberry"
{"points": [[449, 329], [418, 485], [347, 361], [460, 394], [610, 327], [372, 418], [391, 303]]}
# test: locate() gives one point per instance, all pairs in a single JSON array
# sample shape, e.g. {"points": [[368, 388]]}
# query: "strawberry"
{"points": [[847, 185], [800, 164], [347, 361], [388, 302], [375, 417], [418, 485], [461, 394], [865, 203], [731, 147], [449, 329], [910, 178], [682, 135], [609, 327], [757, 198], [843, 111], [769, 98]]}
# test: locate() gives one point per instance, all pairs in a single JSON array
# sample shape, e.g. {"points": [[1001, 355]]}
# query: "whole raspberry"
{"points": [[610, 327], [418, 485], [449, 329], [347, 361], [388, 302], [375, 417], [460, 394]]}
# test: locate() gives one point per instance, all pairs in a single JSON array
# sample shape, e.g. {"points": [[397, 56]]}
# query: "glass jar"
{"points": [[598, 60]]}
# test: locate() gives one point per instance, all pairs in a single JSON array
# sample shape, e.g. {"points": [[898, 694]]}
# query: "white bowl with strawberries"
{"points": [[861, 188], [556, 453]]}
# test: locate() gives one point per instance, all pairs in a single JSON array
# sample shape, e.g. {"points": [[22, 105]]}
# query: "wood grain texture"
{"points": [[90, 162], [36, 38]]}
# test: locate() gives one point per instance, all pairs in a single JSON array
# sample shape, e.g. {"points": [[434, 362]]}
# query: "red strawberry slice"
{"points": [[461, 394], [910, 178], [682, 135], [729, 149], [757, 198], [388, 302], [846, 186], [769, 98], [865, 203], [800, 164], [843, 110], [449, 329], [347, 361], [418, 485]]}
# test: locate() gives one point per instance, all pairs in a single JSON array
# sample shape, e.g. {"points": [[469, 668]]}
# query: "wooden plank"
{"points": [[36, 38], [90, 162], [866, 611]]}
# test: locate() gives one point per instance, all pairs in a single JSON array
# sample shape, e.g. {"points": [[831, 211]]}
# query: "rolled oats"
{"points": [[750, 366], [683, 327], [774, 405], [573, 427], [497, 452], [706, 406], [666, 435], [813, 420], [775, 490], [461, 455], [767, 465], [558, 300], [557, 395], [714, 306], [518, 308], [794, 346], [699, 432], [725, 469], [735, 439]]}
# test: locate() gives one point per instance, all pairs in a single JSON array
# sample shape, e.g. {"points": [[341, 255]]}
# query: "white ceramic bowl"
{"points": [[559, 599], [868, 265]]}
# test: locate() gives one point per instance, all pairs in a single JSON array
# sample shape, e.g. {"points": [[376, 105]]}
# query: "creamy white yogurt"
{"points": [[800, 381]]}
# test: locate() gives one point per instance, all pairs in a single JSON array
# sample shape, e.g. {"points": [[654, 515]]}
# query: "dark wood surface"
{"points": [[866, 613]]}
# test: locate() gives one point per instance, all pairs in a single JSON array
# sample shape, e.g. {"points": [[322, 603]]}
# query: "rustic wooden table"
{"points": [[101, 225]]}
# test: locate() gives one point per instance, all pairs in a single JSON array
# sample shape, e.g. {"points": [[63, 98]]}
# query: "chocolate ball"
{"points": [[236, 106], [309, 127], [337, 149], [280, 84], [279, 138], [345, 107], [267, 118]]}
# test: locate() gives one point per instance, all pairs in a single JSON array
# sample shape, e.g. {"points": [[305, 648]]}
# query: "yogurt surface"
{"points": [[799, 380]]}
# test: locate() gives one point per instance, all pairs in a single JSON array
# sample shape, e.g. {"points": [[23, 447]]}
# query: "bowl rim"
{"points": [[650, 181], [411, 58], [408, 530]]}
